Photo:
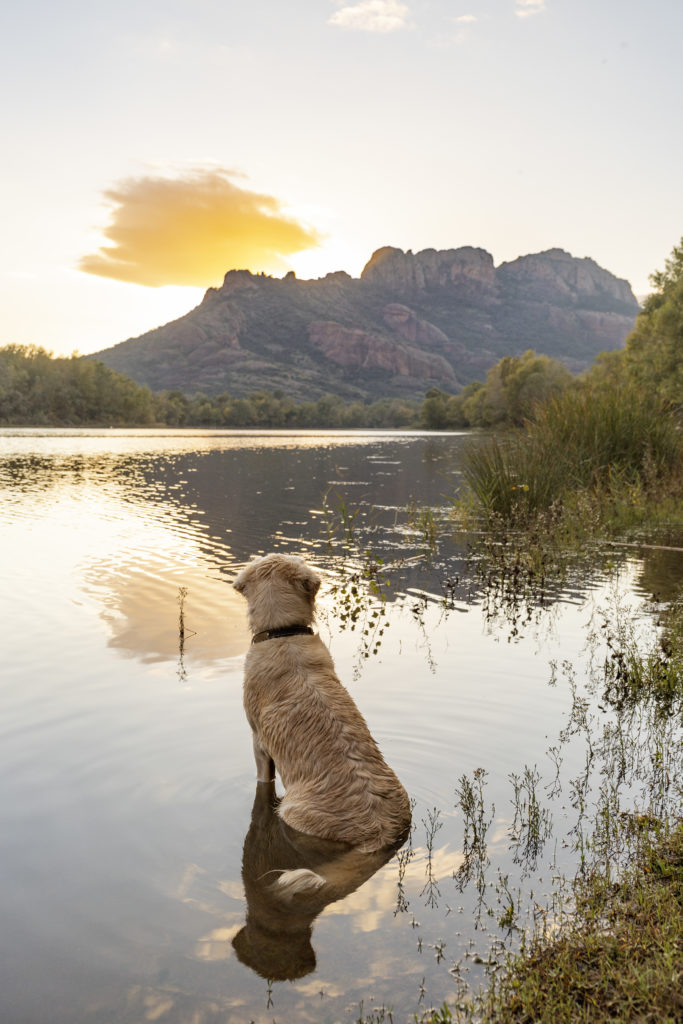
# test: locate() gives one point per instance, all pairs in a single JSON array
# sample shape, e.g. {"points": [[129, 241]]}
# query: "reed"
{"points": [[608, 443]]}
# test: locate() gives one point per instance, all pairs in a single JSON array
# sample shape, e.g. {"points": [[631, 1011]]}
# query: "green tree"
{"points": [[532, 380], [514, 387], [653, 357], [434, 410]]}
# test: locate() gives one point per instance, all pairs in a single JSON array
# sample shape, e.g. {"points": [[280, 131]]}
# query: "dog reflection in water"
{"points": [[289, 878], [344, 811]]}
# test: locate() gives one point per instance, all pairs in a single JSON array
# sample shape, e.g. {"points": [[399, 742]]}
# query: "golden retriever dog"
{"points": [[305, 723], [289, 878]]}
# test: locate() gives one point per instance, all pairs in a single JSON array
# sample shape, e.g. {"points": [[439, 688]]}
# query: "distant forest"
{"points": [[38, 389]]}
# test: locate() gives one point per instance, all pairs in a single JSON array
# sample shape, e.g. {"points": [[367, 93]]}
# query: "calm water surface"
{"points": [[127, 782]]}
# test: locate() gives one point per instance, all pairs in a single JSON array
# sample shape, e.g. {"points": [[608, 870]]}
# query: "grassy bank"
{"points": [[618, 958]]}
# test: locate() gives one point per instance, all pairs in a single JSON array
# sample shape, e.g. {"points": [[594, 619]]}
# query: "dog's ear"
{"points": [[309, 581], [239, 583]]}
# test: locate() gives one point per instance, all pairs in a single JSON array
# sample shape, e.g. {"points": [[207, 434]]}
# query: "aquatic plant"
{"points": [[425, 522], [431, 825], [182, 670], [182, 594], [532, 824], [656, 674], [476, 821]]}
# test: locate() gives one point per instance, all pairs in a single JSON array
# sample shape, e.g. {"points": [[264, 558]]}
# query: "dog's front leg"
{"points": [[265, 766]]}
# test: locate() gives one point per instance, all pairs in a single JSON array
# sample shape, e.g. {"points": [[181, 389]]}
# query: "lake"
{"points": [[127, 783]]}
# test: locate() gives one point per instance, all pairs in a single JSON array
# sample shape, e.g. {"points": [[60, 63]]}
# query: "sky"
{"points": [[149, 147]]}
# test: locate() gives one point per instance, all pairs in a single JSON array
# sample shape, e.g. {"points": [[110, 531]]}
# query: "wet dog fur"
{"points": [[305, 723]]}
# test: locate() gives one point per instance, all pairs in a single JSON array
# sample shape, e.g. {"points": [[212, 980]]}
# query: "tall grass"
{"points": [[606, 442]]}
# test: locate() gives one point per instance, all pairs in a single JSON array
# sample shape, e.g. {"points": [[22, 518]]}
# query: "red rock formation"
{"points": [[467, 271], [365, 350], [555, 275], [411, 321]]}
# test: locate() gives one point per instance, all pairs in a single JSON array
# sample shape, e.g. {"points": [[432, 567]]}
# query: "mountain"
{"points": [[410, 322]]}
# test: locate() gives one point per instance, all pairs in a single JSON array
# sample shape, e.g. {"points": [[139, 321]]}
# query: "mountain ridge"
{"points": [[409, 322]]}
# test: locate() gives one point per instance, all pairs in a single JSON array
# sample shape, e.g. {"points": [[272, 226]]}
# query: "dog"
{"points": [[289, 878], [305, 723]]}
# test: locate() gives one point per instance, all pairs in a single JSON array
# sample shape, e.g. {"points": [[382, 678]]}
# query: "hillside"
{"points": [[410, 322]]}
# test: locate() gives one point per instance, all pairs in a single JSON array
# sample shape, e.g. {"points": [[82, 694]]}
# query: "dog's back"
{"points": [[338, 785]]}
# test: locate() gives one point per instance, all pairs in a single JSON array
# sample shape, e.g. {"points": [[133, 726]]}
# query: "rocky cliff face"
{"points": [[556, 277], [467, 272], [410, 322], [365, 350]]}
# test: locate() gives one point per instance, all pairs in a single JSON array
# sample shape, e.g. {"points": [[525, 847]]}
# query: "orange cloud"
{"points": [[191, 230]]}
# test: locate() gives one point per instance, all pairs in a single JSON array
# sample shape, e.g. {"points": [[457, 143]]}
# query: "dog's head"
{"points": [[280, 591]]}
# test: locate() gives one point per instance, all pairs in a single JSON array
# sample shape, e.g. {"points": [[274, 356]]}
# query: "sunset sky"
{"points": [[149, 147]]}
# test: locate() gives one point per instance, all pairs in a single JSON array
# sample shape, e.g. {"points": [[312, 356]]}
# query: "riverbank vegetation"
{"points": [[38, 389], [617, 958], [606, 945], [617, 953], [514, 387], [599, 455]]}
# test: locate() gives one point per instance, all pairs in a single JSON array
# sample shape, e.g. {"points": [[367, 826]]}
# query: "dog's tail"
{"points": [[299, 880]]}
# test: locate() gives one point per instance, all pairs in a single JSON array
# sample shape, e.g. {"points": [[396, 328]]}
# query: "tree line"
{"points": [[38, 389]]}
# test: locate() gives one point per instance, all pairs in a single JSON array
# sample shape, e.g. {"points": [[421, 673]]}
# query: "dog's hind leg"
{"points": [[265, 766]]}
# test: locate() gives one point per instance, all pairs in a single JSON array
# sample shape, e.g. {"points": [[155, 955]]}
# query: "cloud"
{"points": [[372, 16], [190, 230], [465, 19], [525, 8]]}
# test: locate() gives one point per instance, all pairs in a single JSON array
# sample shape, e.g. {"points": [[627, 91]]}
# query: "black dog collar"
{"points": [[275, 634]]}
